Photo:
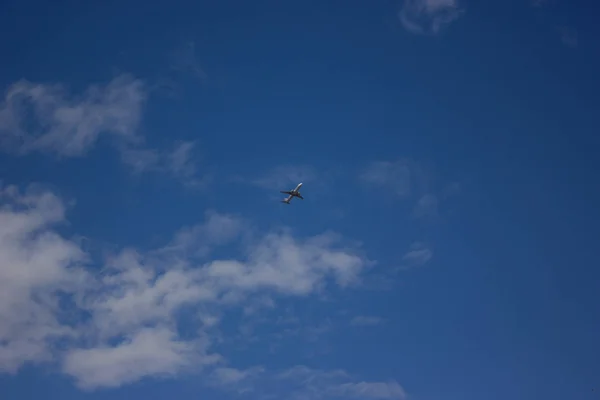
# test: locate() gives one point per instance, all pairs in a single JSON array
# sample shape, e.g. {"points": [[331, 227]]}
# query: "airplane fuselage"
{"points": [[292, 193], [296, 191]]}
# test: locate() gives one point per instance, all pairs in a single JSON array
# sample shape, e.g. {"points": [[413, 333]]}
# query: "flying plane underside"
{"points": [[291, 194]]}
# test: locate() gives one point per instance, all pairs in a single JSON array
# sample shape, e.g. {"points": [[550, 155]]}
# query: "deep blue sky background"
{"points": [[496, 103]]}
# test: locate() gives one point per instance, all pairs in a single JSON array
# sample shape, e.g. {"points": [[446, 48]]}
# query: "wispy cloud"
{"points": [[198, 240], [228, 376], [301, 382], [409, 179], [418, 254], [318, 384], [141, 159], [369, 390], [115, 323], [568, 34], [182, 71], [429, 16], [46, 118], [237, 380], [364, 320], [178, 162], [184, 59], [148, 352]]}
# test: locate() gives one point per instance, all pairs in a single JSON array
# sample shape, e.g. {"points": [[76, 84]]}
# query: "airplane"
{"points": [[291, 194]]}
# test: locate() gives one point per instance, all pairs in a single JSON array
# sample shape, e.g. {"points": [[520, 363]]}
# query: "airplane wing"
{"points": [[300, 197], [286, 192]]}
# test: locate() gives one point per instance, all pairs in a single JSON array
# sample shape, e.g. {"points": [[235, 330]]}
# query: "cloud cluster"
{"points": [[113, 321], [318, 384], [429, 17], [36, 266], [301, 382], [46, 118]]}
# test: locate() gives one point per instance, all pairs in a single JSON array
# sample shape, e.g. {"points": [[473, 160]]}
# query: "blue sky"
{"points": [[445, 248]]}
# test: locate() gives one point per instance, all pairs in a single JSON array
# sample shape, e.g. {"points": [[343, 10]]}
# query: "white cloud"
{"points": [[198, 240], [281, 263], [302, 382], [119, 323], [429, 16], [258, 304], [37, 267], [140, 159], [370, 390], [150, 352], [227, 376], [38, 117], [393, 176], [237, 380], [45, 118], [318, 384], [363, 320], [179, 160], [419, 254]]}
